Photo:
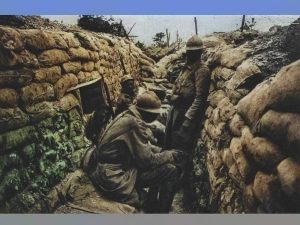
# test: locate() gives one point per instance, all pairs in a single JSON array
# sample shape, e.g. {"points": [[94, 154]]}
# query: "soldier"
{"points": [[188, 100], [125, 161], [128, 93]]}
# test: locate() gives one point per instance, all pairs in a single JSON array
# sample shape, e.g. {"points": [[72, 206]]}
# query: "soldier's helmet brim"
{"points": [[192, 48], [154, 111]]}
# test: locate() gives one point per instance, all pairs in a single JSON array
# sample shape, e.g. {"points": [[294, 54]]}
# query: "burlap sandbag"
{"points": [[236, 176], [227, 158], [64, 83], [282, 92], [236, 125], [265, 153], [12, 118], [40, 111], [79, 53], [53, 57], [72, 67], [282, 128], [266, 189], [49, 75], [17, 138], [67, 103], [8, 97], [222, 73], [249, 200], [227, 109], [215, 97], [37, 92], [289, 177], [240, 159]]}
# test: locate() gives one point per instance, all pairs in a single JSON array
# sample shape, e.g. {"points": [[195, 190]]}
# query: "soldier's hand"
{"points": [[186, 123], [180, 157]]}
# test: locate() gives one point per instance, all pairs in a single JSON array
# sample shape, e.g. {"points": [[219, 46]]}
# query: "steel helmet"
{"points": [[126, 77], [194, 43], [148, 102]]}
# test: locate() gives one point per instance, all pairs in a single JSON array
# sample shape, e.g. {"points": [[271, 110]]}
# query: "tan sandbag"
{"points": [[265, 153], [37, 92], [236, 176], [8, 97], [249, 200], [282, 128], [266, 189], [60, 42], [289, 177], [63, 84], [94, 56], [236, 125], [40, 111], [233, 57], [209, 111], [281, 92], [70, 39], [234, 95], [222, 73], [17, 138], [227, 158], [245, 71], [247, 136], [27, 59], [215, 97], [88, 66], [67, 103], [38, 39], [49, 75], [10, 38], [12, 118], [240, 159], [227, 109], [53, 57], [8, 58], [87, 40], [79, 53], [72, 67]]}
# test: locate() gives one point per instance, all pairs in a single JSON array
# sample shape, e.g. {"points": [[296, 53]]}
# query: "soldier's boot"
{"points": [[151, 204], [166, 195]]}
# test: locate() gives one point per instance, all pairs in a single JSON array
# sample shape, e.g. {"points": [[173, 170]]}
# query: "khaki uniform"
{"points": [[125, 159], [188, 100]]}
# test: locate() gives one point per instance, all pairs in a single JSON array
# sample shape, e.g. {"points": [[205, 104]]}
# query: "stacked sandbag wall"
{"points": [[248, 147], [42, 133]]}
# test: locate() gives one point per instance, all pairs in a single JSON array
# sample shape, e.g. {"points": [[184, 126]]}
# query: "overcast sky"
{"points": [[147, 26]]}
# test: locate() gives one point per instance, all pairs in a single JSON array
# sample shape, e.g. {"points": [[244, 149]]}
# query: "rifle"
{"points": [[108, 97]]}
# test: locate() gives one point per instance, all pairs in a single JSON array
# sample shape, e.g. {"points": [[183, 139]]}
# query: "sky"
{"points": [[147, 26]]}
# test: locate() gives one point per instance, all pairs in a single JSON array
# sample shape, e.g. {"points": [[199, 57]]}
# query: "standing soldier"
{"points": [[128, 93], [125, 161], [188, 100]]}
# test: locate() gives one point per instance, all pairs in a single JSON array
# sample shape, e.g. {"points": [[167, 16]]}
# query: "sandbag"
{"points": [[236, 125], [67, 103], [282, 128], [10, 38], [49, 75], [88, 66], [222, 73], [249, 200], [8, 97], [265, 153], [53, 57], [40, 111], [236, 176], [240, 159], [215, 97], [72, 67], [64, 83], [281, 92], [16, 138], [227, 109], [245, 71], [289, 177], [38, 39], [12, 118], [37, 92], [266, 189], [79, 54]]}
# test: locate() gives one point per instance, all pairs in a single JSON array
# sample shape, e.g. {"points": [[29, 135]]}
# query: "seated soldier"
{"points": [[128, 94], [125, 161]]}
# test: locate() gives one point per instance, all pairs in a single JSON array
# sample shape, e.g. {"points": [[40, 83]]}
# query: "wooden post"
{"points": [[243, 23], [196, 25], [168, 37]]}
